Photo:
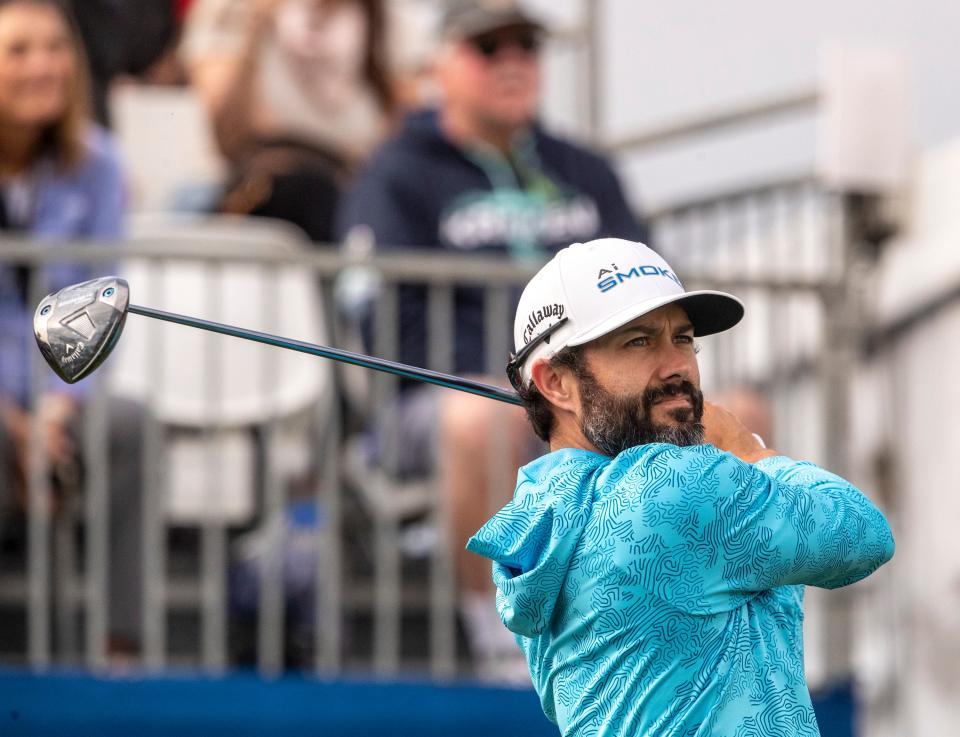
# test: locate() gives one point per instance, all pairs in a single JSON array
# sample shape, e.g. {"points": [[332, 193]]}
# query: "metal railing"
{"points": [[784, 249]]}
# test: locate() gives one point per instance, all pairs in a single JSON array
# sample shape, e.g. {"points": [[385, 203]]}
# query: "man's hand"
{"points": [[723, 430]]}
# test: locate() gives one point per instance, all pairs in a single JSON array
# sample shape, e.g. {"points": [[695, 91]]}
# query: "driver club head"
{"points": [[77, 327]]}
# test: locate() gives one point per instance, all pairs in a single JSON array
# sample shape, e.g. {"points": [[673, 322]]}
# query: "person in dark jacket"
{"points": [[477, 176]]}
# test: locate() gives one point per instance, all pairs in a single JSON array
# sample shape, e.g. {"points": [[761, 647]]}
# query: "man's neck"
{"points": [[565, 436], [465, 131]]}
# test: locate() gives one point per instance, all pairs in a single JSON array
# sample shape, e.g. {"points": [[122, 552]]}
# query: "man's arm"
{"points": [[818, 529], [715, 531], [843, 508]]}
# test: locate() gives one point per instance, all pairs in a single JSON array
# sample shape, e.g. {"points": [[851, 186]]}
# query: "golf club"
{"points": [[77, 327]]}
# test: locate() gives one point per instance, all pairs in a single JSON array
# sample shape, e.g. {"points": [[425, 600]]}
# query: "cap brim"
{"points": [[709, 312], [470, 28]]}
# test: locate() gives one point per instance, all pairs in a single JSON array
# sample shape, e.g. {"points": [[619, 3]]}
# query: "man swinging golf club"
{"points": [[652, 564], [654, 582]]}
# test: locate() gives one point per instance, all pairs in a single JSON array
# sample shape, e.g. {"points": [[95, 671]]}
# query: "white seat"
{"points": [[196, 380]]}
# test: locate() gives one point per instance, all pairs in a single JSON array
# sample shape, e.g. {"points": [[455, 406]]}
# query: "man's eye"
{"points": [[641, 340], [687, 339]]}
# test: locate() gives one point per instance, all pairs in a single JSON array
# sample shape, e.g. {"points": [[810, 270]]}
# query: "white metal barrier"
{"points": [[784, 248]]}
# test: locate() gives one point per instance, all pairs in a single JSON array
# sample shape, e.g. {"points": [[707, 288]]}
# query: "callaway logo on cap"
{"points": [[589, 289]]}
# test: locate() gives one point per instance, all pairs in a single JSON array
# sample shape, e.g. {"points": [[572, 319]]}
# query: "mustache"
{"points": [[682, 388]]}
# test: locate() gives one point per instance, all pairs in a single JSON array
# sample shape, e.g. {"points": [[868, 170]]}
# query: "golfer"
{"points": [[652, 564]]}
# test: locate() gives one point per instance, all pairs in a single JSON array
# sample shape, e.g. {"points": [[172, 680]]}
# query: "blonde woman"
{"points": [[60, 179]]}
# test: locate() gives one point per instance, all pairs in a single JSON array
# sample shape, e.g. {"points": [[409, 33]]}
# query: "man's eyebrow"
{"points": [[644, 328], [651, 329]]}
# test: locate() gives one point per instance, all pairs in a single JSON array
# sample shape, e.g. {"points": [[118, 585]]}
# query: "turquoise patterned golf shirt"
{"points": [[661, 592]]}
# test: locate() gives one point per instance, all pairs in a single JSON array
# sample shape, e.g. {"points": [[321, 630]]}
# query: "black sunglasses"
{"points": [[489, 46], [517, 359]]}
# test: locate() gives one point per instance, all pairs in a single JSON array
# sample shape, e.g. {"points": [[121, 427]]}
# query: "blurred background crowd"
{"points": [[385, 176]]}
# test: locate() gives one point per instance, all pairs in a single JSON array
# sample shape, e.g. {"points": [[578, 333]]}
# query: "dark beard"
{"points": [[614, 424]]}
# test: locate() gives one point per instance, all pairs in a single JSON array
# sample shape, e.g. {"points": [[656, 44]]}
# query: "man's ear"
{"points": [[556, 384]]}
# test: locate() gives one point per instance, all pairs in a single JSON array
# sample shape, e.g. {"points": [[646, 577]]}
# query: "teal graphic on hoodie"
{"points": [[661, 592]]}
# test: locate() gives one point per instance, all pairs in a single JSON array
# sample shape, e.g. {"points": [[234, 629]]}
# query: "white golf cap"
{"points": [[589, 289]]}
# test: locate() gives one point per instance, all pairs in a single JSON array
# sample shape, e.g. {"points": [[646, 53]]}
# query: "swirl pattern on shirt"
{"points": [[661, 592]]}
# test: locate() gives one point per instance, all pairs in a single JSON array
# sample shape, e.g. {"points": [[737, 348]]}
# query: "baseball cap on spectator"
{"points": [[590, 289], [470, 18]]}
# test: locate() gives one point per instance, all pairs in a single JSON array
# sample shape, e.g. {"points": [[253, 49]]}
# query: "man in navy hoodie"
{"points": [[477, 176]]}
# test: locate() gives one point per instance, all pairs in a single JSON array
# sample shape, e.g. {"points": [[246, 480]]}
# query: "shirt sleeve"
{"points": [[716, 531], [108, 209]]}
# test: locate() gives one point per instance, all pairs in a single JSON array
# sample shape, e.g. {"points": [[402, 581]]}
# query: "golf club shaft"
{"points": [[356, 359]]}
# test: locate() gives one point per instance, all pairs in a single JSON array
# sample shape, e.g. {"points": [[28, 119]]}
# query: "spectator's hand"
{"points": [[723, 430], [56, 412]]}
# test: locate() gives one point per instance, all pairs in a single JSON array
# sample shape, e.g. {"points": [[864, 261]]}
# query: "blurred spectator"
{"points": [[298, 92], [478, 175], [123, 37], [59, 179]]}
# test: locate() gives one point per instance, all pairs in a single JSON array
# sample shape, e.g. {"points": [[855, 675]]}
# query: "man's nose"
{"points": [[675, 362]]}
